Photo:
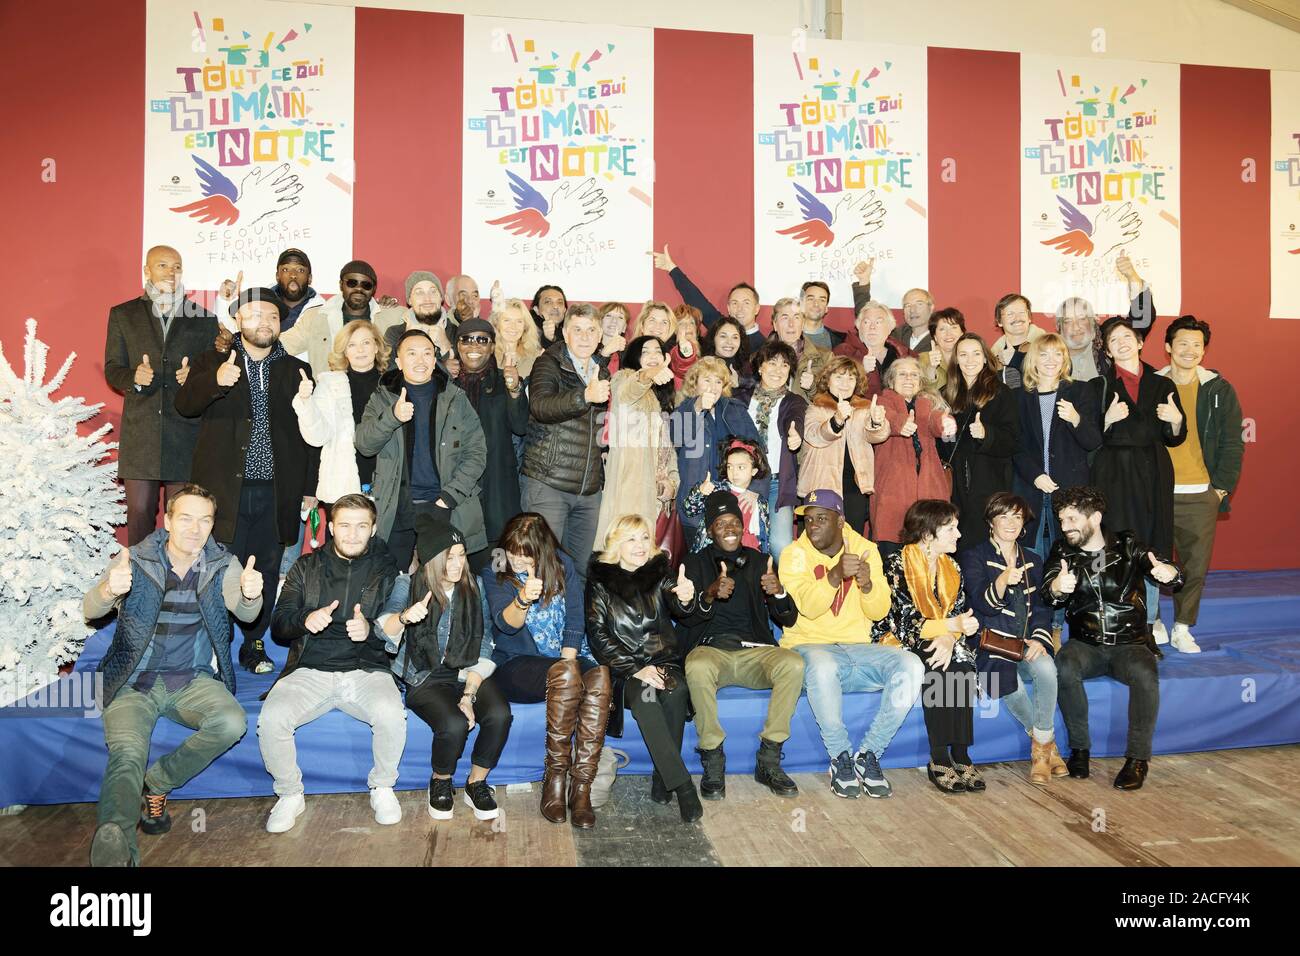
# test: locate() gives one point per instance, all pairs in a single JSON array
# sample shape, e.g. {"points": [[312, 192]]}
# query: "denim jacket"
{"points": [[398, 601]]}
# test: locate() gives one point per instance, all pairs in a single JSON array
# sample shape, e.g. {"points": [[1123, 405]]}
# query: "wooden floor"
{"points": [[1225, 808]]}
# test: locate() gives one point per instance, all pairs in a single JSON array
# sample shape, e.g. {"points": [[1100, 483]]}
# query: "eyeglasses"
{"points": [[475, 339], [365, 284]]}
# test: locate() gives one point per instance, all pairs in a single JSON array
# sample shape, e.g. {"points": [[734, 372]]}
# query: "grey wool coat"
{"points": [[156, 442]]}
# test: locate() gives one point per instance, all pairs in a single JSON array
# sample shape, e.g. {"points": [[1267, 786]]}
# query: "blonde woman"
{"points": [[517, 338], [1059, 425], [839, 427], [706, 417], [632, 599], [328, 413]]}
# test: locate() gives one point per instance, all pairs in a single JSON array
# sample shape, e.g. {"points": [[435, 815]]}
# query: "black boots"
{"points": [[1132, 774], [768, 772], [713, 785], [658, 792], [688, 802], [1077, 765]]}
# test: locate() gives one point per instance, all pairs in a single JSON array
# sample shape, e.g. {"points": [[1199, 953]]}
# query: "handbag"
{"points": [[669, 536], [999, 645]]}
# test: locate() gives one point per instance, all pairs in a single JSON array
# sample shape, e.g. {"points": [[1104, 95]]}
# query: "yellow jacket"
{"points": [[823, 619]]}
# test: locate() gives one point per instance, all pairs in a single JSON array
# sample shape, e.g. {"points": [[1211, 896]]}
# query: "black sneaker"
{"points": [[154, 818], [252, 657], [441, 798], [867, 766], [479, 796], [844, 779]]}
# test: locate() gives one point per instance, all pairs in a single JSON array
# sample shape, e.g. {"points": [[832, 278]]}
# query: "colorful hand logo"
{"points": [[572, 206], [1115, 226], [263, 192], [858, 213]]}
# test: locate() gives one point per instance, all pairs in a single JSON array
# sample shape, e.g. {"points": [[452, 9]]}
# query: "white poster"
{"points": [[248, 136], [1284, 197], [1099, 178], [558, 157], [840, 171]]}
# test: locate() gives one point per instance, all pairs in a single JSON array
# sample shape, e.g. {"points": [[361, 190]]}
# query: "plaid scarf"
{"points": [[767, 400]]}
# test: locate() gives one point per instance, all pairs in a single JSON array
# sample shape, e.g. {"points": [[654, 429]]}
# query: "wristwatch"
{"points": [[473, 698]]}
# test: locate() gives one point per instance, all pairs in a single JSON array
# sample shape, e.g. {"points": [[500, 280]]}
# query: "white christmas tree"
{"points": [[59, 499]]}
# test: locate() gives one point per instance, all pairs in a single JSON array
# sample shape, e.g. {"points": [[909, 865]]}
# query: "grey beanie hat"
{"points": [[421, 275]]}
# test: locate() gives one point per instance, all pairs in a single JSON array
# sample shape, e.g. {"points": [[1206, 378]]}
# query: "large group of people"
{"points": [[559, 503]]}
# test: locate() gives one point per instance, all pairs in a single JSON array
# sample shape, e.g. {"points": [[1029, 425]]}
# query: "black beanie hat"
{"points": [[361, 268], [293, 255], [259, 294], [721, 503], [434, 535]]}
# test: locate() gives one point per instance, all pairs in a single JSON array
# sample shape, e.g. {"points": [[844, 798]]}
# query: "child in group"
{"points": [[744, 464]]}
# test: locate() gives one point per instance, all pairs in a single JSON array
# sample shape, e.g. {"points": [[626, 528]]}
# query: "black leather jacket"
{"points": [[1108, 606], [629, 616]]}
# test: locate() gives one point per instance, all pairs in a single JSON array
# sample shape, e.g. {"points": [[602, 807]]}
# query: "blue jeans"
{"points": [[1153, 602], [1038, 712], [831, 670], [780, 522], [1046, 536]]}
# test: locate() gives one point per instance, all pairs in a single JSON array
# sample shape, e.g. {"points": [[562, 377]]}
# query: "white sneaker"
{"points": [[1159, 633], [1183, 641], [285, 813], [384, 802]]}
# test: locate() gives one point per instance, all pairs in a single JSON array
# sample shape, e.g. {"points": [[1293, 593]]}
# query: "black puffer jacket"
{"points": [[630, 616], [1108, 605], [563, 447]]}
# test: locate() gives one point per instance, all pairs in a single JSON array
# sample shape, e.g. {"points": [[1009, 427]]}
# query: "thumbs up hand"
{"points": [[685, 587], [358, 627], [770, 583], [1164, 573], [1066, 581], [722, 586], [597, 391], [119, 575], [976, 428], [793, 439], [949, 428], [1116, 412], [806, 380], [909, 426], [1014, 574], [403, 410], [305, 386], [510, 372], [843, 410], [183, 372], [321, 618], [707, 487], [532, 590], [876, 413], [250, 580], [863, 576], [229, 370], [1169, 413], [663, 260], [144, 373], [417, 612]]}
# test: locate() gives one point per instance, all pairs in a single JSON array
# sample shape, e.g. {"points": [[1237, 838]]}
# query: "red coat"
{"points": [[898, 484]]}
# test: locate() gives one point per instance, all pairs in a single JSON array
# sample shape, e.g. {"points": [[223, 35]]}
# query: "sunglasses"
{"points": [[475, 339], [365, 284]]}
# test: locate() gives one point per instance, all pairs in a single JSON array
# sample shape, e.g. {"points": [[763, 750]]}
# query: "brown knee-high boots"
{"points": [[564, 689], [593, 714]]}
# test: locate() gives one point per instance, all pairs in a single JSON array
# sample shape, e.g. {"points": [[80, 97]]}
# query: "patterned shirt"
{"points": [[260, 463]]}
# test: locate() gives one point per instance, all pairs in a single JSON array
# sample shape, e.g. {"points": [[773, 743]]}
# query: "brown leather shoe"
{"points": [[563, 692], [593, 714], [1040, 771], [1054, 761]]}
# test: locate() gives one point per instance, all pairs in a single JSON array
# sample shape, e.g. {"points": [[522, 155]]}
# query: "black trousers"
{"points": [[522, 679], [1130, 664], [948, 702], [256, 535], [661, 715], [142, 506], [435, 704], [855, 502]]}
